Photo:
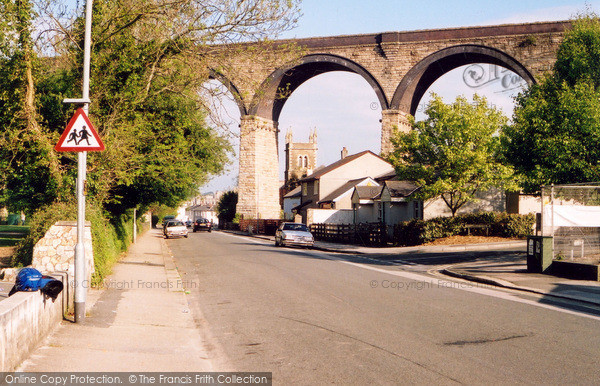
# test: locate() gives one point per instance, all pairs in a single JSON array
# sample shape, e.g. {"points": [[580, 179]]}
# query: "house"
{"points": [[397, 204], [331, 187], [389, 203], [366, 204], [203, 211], [341, 198]]}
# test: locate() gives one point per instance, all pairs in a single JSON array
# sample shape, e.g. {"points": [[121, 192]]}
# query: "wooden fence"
{"points": [[367, 234]]}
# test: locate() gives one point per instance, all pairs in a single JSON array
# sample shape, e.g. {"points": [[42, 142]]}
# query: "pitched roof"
{"points": [[343, 189], [401, 188], [296, 192], [387, 177], [368, 192], [318, 173]]}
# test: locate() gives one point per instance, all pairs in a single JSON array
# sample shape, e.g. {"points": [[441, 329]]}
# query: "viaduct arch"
{"points": [[399, 66]]}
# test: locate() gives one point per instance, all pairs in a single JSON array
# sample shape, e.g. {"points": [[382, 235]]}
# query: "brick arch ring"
{"points": [[278, 87], [419, 78], [216, 75]]}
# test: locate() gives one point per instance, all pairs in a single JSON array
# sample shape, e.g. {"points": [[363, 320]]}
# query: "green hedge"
{"points": [[417, 232], [110, 237]]}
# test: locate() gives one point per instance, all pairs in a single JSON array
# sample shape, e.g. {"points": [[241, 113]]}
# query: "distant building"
{"points": [[203, 211], [331, 187], [202, 206], [300, 158]]}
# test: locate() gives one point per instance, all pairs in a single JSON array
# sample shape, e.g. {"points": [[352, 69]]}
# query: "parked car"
{"points": [[166, 219], [202, 224], [175, 228], [292, 233]]}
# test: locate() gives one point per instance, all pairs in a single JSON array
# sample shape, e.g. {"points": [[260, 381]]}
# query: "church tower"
{"points": [[300, 158]]}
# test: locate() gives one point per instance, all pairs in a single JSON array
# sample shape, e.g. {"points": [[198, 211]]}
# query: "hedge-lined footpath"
{"points": [[110, 237], [417, 232]]}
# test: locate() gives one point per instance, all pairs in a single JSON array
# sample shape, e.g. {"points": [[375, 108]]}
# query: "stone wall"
{"points": [[55, 252]]}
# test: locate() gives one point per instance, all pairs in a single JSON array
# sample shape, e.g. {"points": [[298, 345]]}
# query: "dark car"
{"points": [[166, 219], [202, 224]]}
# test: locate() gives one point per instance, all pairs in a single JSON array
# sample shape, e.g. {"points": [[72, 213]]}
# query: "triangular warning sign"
{"points": [[79, 135]]}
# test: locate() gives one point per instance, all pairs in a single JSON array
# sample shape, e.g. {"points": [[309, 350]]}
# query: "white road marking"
{"points": [[477, 288], [469, 287]]}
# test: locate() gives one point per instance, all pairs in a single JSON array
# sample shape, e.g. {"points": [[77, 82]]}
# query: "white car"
{"points": [[293, 233], [175, 228]]}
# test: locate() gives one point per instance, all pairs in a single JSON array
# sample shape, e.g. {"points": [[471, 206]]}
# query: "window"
{"points": [[316, 187], [418, 213], [299, 161], [304, 189], [305, 164], [295, 227]]}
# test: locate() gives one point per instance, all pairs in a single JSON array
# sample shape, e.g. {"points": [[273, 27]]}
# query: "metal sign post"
{"points": [[80, 279], [81, 286]]}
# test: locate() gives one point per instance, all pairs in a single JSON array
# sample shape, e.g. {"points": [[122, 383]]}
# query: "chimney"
{"points": [[344, 152]]}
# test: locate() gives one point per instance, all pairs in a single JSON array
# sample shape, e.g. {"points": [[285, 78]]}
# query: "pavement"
{"points": [[139, 319]]}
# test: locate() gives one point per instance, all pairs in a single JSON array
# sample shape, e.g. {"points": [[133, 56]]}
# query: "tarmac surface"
{"points": [[139, 320], [509, 271]]}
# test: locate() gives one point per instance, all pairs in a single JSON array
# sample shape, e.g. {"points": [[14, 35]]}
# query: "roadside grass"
{"points": [[15, 228]]}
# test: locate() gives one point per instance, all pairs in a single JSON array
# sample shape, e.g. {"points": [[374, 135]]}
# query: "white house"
{"points": [[208, 212], [331, 187]]}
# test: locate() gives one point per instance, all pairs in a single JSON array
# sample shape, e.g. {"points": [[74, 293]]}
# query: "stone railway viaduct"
{"points": [[399, 66]]}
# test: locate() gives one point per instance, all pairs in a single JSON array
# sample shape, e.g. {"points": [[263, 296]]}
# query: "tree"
{"points": [[454, 152], [30, 173], [149, 61], [226, 206], [555, 135]]}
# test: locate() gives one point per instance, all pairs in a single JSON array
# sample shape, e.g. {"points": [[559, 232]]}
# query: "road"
{"points": [[313, 317]]}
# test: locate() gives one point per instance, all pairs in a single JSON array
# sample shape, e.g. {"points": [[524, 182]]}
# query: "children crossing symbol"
{"points": [[79, 135]]}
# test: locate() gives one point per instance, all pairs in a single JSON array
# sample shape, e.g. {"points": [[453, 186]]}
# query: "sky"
{"points": [[343, 107]]}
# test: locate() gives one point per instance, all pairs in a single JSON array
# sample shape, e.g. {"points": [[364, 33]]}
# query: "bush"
{"points": [[519, 226], [110, 237], [39, 223], [417, 232]]}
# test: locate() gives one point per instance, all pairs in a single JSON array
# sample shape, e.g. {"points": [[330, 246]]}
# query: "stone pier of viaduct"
{"points": [[399, 66]]}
